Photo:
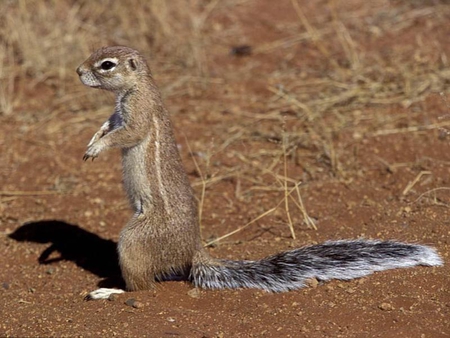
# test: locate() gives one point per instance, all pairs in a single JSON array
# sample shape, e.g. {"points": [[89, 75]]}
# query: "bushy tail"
{"points": [[286, 271]]}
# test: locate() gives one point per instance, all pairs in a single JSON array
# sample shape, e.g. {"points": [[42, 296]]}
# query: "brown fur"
{"points": [[163, 236]]}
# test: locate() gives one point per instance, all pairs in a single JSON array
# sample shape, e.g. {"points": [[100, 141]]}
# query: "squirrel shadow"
{"points": [[87, 250]]}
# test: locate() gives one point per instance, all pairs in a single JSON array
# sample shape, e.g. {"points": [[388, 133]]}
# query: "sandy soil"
{"points": [[359, 94]]}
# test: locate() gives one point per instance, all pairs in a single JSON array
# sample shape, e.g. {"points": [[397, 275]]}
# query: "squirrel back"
{"points": [[162, 240]]}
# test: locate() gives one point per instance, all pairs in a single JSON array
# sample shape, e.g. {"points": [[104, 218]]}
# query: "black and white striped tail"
{"points": [[345, 259]]}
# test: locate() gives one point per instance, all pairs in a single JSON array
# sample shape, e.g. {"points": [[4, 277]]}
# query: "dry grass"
{"points": [[306, 110], [55, 36], [7, 78]]}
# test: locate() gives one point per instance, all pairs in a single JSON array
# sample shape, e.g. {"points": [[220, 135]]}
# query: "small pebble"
{"points": [[113, 297], [312, 282], [194, 293], [134, 303], [386, 307]]}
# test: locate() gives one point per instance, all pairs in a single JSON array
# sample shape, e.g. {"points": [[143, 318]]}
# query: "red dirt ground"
{"points": [[60, 217]]}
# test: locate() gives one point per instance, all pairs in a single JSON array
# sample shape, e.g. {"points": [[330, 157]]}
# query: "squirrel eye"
{"points": [[107, 65]]}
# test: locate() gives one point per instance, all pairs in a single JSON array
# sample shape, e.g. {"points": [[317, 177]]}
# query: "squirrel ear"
{"points": [[132, 64]]}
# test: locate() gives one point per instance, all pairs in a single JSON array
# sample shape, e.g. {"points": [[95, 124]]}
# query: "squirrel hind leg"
{"points": [[103, 293], [173, 277]]}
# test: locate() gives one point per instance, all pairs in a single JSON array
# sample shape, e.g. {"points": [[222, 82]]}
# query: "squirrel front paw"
{"points": [[92, 151], [99, 134]]}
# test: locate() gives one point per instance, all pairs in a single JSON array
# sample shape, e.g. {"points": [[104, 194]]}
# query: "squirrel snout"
{"points": [[80, 70]]}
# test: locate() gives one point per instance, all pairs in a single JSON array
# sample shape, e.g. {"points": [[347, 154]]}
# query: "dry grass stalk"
{"points": [[286, 194], [288, 42], [283, 94], [308, 220], [315, 37], [7, 79], [414, 182], [203, 182], [435, 199], [264, 214], [411, 129], [28, 193]]}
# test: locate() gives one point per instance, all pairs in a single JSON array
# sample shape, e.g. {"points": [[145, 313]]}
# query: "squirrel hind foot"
{"points": [[103, 293]]}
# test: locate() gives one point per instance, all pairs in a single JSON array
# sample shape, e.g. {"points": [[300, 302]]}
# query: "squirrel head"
{"points": [[116, 69]]}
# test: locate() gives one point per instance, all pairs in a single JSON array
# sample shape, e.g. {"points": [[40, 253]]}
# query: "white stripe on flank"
{"points": [[162, 191]]}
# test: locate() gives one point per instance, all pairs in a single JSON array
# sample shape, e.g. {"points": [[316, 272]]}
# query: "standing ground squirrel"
{"points": [[162, 240]]}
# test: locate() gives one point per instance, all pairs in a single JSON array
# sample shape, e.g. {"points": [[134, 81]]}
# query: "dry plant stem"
{"points": [[242, 227], [288, 42], [329, 147], [215, 179], [289, 98], [197, 42], [278, 177], [203, 182], [286, 199], [27, 193], [251, 222], [411, 129], [230, 140], [207, 12], [282, 180], [313, 33], [347, 43], [7, 79], [444, 98], [429, 192], [414, 182], [308, 220]]}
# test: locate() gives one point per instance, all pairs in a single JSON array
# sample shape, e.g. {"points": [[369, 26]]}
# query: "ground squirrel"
{"points": [[162, 240]]}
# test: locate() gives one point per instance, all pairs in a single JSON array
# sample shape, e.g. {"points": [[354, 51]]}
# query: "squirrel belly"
{"points": [[162, 240]]}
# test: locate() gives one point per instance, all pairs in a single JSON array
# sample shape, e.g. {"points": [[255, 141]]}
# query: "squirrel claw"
{"points": [[93, 151], [86, 157]]}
